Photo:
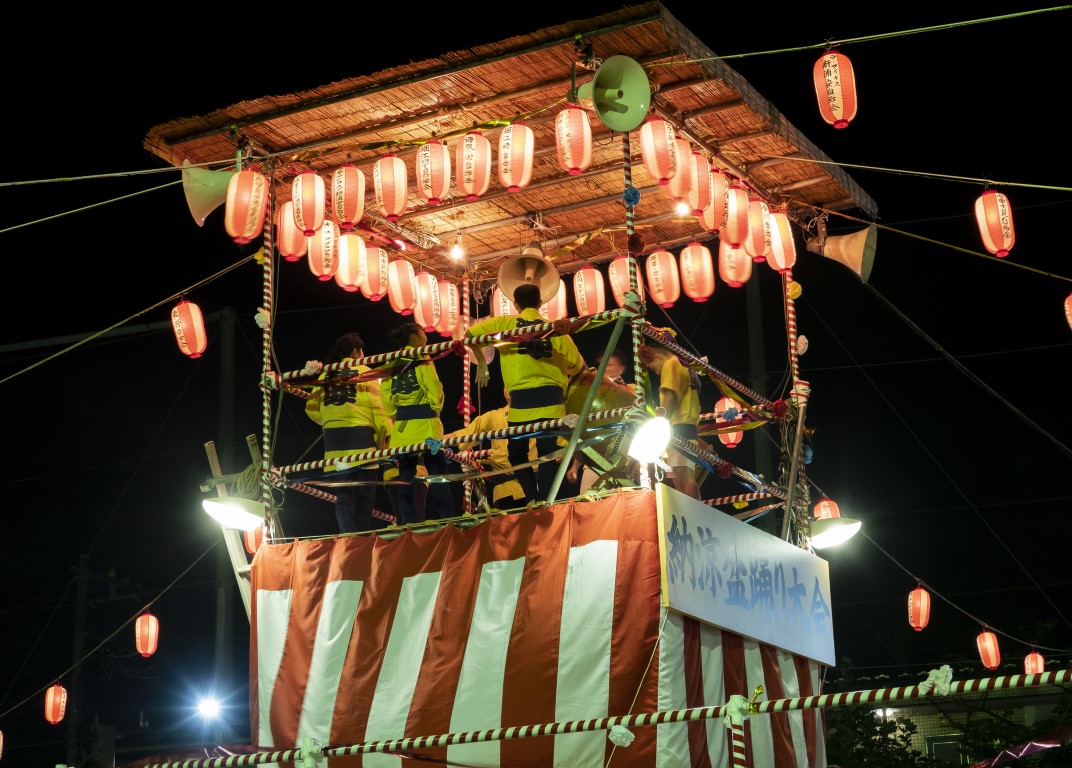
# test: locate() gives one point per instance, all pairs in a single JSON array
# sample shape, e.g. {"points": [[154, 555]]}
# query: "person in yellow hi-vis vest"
{"points": [[536, 374], [503, 490]]}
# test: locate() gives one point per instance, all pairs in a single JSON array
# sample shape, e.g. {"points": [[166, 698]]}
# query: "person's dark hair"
{"points": [[615, 354], [401, 335], [527, 296], [344, 345]]}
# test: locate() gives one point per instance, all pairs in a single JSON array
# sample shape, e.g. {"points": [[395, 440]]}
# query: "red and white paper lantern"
{"points": [[189, 326], [246, 206], [713, 217], [555, 309], [618, 274], [432, 166], [427, 310], [783, 251], [473, 165], [324, 250], [697, 272], [701, 186], [573, 140], [664, 281], [146, 634], [735, 229], [1034, 663], [391, 186], [348, 196], [55, 703], [993, 214], [589, 292], [352, 259], [677, 188], [374, 278], [401, 286], [501, 305], [658, 150], [757, 242], [728, 439], [835, 88], [252, 540], [919, 608], [989, 653], [309, 197], [292, 242], [734, 265], [450, 315], [516, 146]]}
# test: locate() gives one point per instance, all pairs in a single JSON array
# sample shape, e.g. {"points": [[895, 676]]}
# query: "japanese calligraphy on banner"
{"points": [[727, 573]]}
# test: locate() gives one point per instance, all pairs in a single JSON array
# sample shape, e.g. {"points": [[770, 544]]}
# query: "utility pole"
{"points": [[74, 693]]}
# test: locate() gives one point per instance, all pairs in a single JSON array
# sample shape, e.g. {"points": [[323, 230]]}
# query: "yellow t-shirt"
{"points": [[675, 377], [341, 405], [416, 385], [497, 458]]}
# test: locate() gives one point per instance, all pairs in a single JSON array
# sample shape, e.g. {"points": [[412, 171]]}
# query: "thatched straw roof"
{"points": [[577, 218]]}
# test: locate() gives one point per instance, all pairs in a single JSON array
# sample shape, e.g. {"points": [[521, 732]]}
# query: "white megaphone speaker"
{"points": [[529, 267], [205, 190], [855, 251], [620, 94]]}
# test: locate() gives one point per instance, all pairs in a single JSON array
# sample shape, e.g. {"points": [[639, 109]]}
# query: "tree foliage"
{"points": [[856, 736]]}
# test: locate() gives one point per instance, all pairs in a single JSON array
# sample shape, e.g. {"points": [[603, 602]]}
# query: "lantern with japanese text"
{"points": [[391, 186], [658, 151], [727, 409], [757, 242], [189, 326], [427, 311], [1034, 663], [734, 265], [401, 286], [246, 206], [618, 274], [516, 146], [663, 278], [589, 292], [291, 242], [993, 214], [783, 251], [713, 217], [55, 703], [735, 229], [309, 197], [501, 305], [432, 166], [989, 652], [324, 250], [352, 258], [677, 188], [835, 88], [374, 278], [146, 634], [701, 186], [555, 309], [348, 196], [450, 315], [573, 140], [919, 608], [253, 539], [473, 165], [697, 272]]}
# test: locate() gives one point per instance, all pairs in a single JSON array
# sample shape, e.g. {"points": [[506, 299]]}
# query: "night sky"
{"points": [[938, 411]]}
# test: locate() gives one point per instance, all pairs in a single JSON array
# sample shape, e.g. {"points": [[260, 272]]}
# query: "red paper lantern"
{"points": [[701, 187], [189, 326], [663, 278], [391, 186], [573, 140], [1034, 663], [825, 509], [919, 608], [324, 250], [473, 165], [401, 286], [728, 439], [618, 274], [677, 188], [146, 634], [835, 87], [252, 540], [658, 151], [246, 206], [449, 308], [988, 649], [697, 272], [374, 278], [501, 305], [56, 702], [1, 743], [713, 217], [348, 196], [351, 260], [516, 145], [427, 310], [1068, 309], [589, 292], [783, 251], [734, 265], [432, 166], [993, 214], [735, 228], [309, 197], [555, 309], [292, 243], [757, 243]]}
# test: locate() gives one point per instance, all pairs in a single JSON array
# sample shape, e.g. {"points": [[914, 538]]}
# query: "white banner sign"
{"points": [[727, 573]]}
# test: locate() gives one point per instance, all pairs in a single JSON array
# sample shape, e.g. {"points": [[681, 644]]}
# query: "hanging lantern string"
{"points": [[828, 44], [119, 629]]}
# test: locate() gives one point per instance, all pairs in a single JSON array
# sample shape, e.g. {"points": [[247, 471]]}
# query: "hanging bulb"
{"points": [[456, 251], [682, 209]]}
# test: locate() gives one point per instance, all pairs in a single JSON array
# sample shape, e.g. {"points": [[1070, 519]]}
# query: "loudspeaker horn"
{"points": [[620, 93], [855, 251], [205, 190], [529, 267]]}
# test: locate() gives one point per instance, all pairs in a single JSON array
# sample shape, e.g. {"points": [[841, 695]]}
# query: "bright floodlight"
{"points": [[234, 512], [208, 708], [831, 531], [650, 440]]}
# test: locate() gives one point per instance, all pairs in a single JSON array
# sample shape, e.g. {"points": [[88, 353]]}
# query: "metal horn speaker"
{"points": [[855, 251], [530, 266], [620, 93], [205, 190]]}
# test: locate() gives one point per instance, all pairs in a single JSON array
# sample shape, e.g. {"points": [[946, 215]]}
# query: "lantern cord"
{"points": [[158, 304], [119, 629]]}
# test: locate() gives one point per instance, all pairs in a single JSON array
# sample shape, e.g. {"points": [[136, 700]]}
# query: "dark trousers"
{"points": [[440, 501], [536, 485], [354, 504]]}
